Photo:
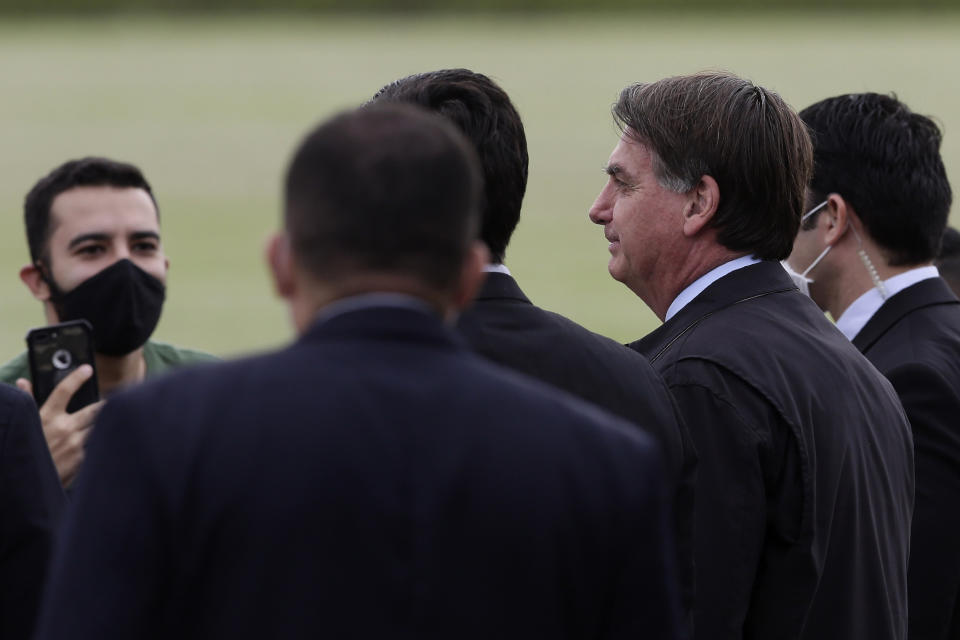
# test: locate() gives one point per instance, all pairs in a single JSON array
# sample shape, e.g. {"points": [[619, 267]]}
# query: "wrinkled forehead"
{"points": [[630, 153]]}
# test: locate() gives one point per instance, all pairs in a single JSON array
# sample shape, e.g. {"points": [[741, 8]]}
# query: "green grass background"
{"points": [[211, 108]]}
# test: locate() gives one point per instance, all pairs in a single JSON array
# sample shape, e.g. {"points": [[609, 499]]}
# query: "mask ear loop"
{"points": [[865, 259], [816, 261]]}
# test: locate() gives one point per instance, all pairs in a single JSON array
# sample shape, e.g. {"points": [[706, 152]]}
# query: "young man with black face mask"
{"points": [[94, 237]]}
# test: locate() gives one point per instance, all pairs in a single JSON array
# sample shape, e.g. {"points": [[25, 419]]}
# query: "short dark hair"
{"points": [[85, 172], [484, 113], [387, 188], [948, 261], [744, 136], [885, 161]]}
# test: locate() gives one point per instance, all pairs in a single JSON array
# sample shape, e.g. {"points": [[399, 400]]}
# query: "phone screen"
{"points": [[54, 353]]}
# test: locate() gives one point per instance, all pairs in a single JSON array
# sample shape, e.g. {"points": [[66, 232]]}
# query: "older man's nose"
{"points": [[600, 210]]}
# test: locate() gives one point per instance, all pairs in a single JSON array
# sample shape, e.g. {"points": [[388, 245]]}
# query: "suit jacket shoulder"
{"points": [[31, 501], [506, 328], [919, 324], [914, 339], [787, 406], [373, 479]]}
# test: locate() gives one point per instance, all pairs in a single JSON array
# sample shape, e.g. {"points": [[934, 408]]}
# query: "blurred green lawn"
{"points": [[210, 108]]}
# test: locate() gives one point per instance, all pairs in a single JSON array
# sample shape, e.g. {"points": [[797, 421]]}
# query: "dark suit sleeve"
{"points": [[109, 559], [646, 604], [933, 408], [681, 474], [31, 501], [748, 489]]}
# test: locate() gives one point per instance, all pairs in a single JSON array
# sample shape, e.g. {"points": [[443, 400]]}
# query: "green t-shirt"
{"points": [[158, 356]]}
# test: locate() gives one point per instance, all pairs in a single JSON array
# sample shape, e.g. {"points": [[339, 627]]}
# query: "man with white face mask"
{"points": [[870, 246]]}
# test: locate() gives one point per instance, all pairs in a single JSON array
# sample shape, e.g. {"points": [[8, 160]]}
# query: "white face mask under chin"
{"points": [[801, 279], [803, 282]]}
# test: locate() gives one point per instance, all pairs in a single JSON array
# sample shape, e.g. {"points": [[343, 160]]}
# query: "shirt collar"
{"points": [[858, 314], [696, 287], [496, 267]]}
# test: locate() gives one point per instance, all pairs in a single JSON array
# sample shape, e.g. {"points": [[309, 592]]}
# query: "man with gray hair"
{"points": [[805, 486]]}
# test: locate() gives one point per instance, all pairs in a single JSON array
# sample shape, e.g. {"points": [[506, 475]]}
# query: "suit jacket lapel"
{"points": [[757, 280], [932, 291]]}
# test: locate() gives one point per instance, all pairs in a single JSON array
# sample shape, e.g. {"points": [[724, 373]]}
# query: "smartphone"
{"points": [[54, 352]]}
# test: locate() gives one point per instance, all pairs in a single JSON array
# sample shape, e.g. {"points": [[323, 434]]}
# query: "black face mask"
{"points": [[123, 303]]}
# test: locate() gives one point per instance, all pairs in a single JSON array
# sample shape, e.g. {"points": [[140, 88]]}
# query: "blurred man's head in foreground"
{"points": [[382, 199]]}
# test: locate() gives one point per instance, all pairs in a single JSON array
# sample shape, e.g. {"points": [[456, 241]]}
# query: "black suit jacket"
{"points": [[30, 504], [374, 480], [805, 476], [914, 339], [505, 327]]}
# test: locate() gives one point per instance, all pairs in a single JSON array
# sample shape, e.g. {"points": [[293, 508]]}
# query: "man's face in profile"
{"points": [[642, 220], [94, 227]]}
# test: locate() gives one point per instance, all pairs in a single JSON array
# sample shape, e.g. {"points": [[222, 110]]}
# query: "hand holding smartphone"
{"points": [[54, 352]]}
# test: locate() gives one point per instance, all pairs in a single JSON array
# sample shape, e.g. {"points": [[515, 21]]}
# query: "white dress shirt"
{"points": [[858, 314], [696, 287]]}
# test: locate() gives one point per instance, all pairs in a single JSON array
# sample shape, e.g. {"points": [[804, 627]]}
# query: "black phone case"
{"points": [[54, 352]]}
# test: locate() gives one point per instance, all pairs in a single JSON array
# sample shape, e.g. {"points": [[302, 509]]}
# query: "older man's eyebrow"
{"points": [[617, 171]]}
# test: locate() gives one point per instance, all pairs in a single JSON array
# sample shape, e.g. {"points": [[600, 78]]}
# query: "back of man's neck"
{"points": [[311, 302]]}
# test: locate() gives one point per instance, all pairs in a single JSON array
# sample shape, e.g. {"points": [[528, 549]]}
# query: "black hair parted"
{"points": [[485, 115], [84, 172], [884, 159]]}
